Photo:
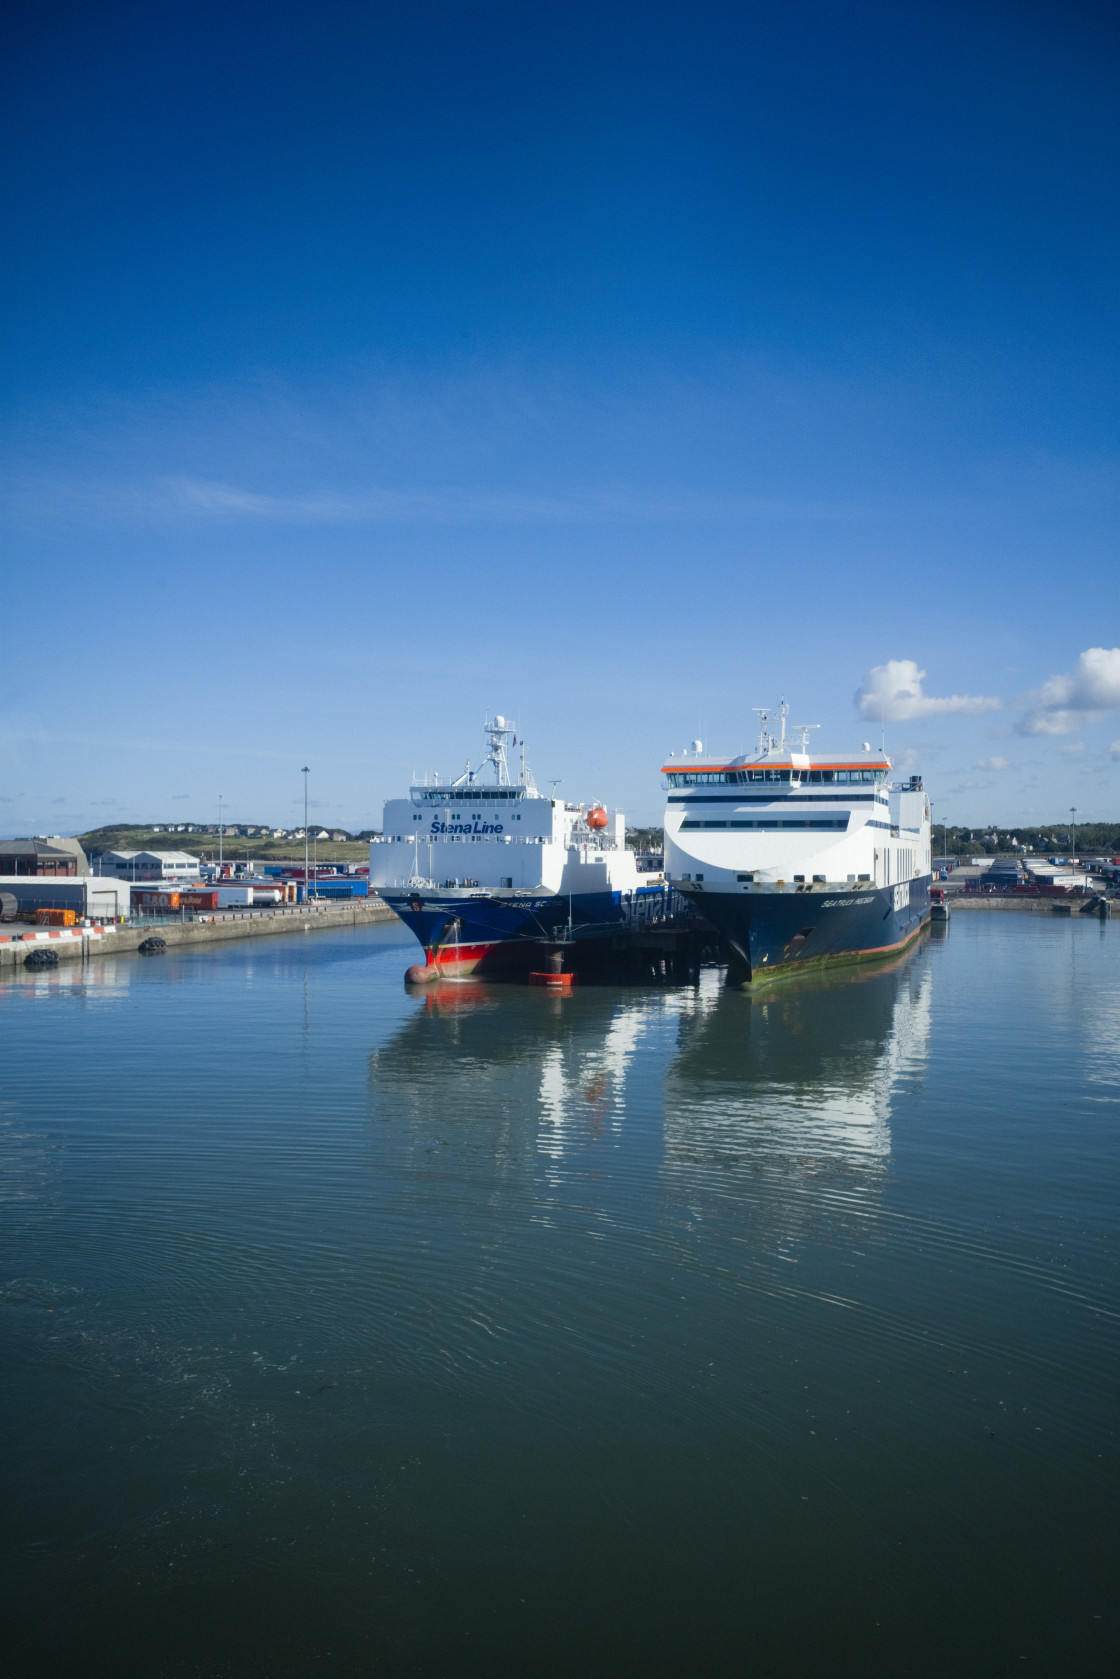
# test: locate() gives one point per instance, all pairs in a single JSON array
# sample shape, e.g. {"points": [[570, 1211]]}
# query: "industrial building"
{"points": [[87, 895], [24, 857], [148, 865]]}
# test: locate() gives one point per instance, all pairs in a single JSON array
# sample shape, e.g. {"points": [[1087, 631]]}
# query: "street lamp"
{"points": [[219, 837], [305, 772], [1073, 833]]}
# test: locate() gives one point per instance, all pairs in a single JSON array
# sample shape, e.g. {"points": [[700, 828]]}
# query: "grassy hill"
{"points": [[267, 850], [1094, 839]]}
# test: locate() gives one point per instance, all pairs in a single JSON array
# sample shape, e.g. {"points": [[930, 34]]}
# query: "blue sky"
{"points": [[617, 367]]}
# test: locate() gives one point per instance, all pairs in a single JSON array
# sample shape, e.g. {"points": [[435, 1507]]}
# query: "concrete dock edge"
{"points": [[122, 940]]}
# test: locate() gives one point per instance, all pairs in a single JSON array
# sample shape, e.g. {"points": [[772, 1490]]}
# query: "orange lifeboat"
{"points": [[596, 817]]}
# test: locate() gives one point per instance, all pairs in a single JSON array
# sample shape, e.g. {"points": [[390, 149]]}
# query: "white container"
{"points": [[234, 897]]}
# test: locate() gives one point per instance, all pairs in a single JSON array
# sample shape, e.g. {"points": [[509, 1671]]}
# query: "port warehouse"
{"points": [[53, 859], [87, 897], [1028, 874]]}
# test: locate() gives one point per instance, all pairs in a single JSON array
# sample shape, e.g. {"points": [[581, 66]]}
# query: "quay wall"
{"points": [[114, 941], [1033, 906]]}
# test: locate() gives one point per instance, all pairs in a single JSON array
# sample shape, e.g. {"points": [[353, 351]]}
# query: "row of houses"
{"points": [[249, 830]]}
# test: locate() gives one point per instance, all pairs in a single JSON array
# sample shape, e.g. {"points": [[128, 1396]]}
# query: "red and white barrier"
{"points": [[39, 933]]}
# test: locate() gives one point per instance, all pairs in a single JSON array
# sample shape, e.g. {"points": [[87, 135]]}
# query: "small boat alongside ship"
{"points": [[798, 860], [491, 875]]}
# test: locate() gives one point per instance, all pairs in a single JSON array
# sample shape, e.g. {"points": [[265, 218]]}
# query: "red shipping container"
{"points": [[151, 898], [199, 900]]}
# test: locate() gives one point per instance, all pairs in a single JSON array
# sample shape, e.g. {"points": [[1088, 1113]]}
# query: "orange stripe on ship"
{"points": [[802, 769]]}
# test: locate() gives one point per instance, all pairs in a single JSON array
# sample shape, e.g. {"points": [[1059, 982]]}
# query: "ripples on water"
{"points": [[638, 1331]]}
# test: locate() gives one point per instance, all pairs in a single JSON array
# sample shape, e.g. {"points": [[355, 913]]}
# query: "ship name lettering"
{"points": [[480, 828]]}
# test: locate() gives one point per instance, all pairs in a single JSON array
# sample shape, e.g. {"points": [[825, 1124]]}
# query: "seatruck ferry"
{"points": [[486, 870], [798, 860]]}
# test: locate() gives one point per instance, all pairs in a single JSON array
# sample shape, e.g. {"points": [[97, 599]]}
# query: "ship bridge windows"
{"points": [[443, 795], [700, 778], [762, 776], [730, 778], [866, 778]]}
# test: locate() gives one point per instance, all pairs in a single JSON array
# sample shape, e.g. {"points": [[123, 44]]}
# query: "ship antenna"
{"points": [[763, 715], [784, 713]]}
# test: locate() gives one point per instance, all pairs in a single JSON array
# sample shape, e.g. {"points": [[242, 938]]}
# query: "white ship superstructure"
{"points": [[799, 858], [479, 864]]}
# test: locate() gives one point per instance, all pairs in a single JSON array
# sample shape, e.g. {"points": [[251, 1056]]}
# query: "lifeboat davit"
{"points": [[596, 817]]}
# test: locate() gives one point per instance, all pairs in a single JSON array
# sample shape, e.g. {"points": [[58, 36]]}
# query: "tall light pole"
{"points": [[219, 836], [1072, 833], [306, 877]]}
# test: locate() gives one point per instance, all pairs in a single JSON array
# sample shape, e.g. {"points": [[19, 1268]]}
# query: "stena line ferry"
{"points": [[798, 860], [486, 870]]}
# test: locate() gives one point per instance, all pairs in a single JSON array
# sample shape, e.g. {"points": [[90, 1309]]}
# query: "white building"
{"points": [[148, 865], [86, 895]]}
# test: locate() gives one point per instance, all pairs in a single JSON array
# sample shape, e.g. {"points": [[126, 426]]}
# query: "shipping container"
{"points": [[55, 918], [195, 899], [147, 897], [340, 887], [233, 897]]}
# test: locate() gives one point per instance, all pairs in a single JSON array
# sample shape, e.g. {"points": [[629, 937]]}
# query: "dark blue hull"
{"points": [[775, 932], [440, 917]]}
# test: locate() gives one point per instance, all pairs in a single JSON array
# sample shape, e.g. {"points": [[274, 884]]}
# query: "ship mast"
{"points": [[496, 732]]}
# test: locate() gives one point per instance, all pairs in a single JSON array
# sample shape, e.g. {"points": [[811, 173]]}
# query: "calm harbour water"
{"points": [[636, 1332]]}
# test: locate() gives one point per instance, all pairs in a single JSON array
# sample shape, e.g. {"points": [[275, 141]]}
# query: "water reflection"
{"points": [[105, 976], [541, 1077], [696, 1084], [804, 1074]]}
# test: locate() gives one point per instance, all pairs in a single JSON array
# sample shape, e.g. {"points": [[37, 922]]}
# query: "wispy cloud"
{"points": [[1086, 694], [893, 693], [996, 763], [176, 498]]}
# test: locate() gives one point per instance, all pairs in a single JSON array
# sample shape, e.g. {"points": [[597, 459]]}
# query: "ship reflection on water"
{"points": [[700, 1089], [801, 1080]]}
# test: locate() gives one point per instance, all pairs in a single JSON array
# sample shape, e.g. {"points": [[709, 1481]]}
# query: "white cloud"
{"points": [[1114, 749], [908, 760], [1074, 749], [1084, 695], [892, 693], [993, 763]]}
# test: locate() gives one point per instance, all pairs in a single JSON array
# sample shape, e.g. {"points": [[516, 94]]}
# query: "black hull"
{"points": [[783, 932]]}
